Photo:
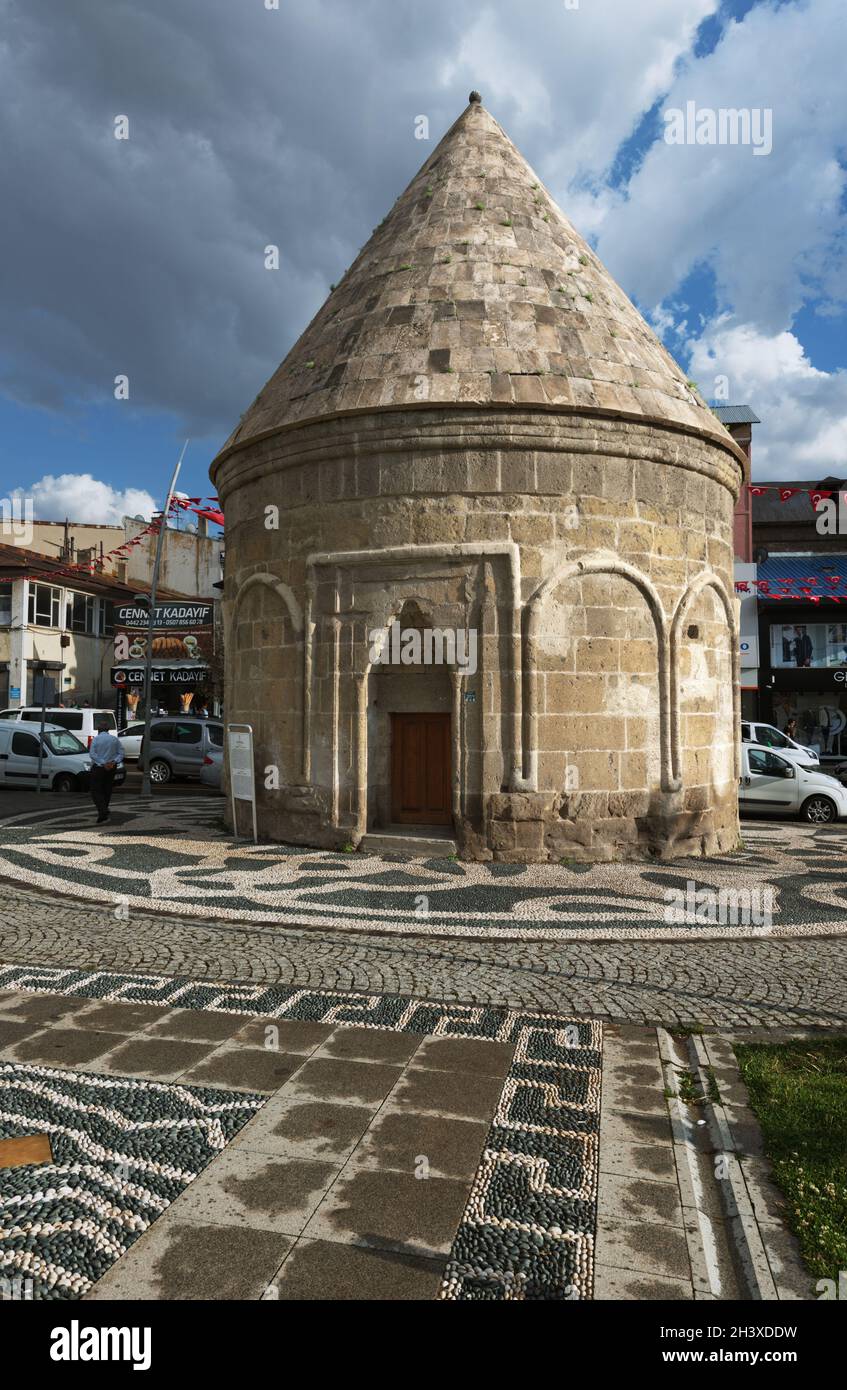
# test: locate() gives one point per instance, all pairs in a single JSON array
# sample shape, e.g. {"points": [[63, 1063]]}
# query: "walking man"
{"points": [[106, 754]]}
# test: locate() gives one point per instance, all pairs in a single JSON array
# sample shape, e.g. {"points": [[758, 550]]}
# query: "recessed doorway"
{"points": [[420, 769]]}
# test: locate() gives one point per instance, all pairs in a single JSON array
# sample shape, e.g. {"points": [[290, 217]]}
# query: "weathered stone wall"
{"points": [[580, 742]]}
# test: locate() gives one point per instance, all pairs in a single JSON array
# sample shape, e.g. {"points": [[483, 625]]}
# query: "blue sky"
{"points": [[295, 127]]}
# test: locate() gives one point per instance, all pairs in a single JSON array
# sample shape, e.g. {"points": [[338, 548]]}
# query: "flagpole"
{"points": [[148, 660]]}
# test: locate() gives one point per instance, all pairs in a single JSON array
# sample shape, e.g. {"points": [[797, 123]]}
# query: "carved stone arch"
{"points": [[270, 581], [603, 562], [707, 580], [274, 741]]}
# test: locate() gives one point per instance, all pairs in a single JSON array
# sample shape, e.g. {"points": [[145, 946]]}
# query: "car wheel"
{"points": [[819, 809], [64, 783], [160, 772]]}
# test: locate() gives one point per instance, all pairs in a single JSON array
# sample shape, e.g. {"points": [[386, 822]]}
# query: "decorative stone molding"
{"points": [[606, 563], [707, 580]]}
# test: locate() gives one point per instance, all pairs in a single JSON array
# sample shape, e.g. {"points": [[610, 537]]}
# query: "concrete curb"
{"points": [[779, 1246], [721, 1157], [748, 1246], [708, 1252]]}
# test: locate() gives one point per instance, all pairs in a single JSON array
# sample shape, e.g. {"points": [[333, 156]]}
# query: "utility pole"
{"points": [[148, 660]]}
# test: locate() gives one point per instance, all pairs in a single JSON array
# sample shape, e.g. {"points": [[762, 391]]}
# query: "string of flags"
{"points": [[797, 589], [815, 495], [89, 567], [192, 504]]}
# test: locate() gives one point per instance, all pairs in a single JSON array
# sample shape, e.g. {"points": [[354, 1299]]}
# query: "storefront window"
{"points": [[805, 645]]}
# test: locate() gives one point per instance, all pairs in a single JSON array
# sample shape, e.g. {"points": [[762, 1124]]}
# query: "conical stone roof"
{"points": [[476, 290]]}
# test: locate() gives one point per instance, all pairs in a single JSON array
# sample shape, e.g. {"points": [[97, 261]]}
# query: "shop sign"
{"points": [[165, 615], [178, 647], [123, 676]]}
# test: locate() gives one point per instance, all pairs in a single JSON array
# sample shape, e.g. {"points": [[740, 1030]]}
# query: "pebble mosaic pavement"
{"points": [[174, 855], [527, 1232], [122, 1149]]}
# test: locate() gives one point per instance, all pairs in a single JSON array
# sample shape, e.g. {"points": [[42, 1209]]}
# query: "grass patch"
{"points": [[798, 1092]]}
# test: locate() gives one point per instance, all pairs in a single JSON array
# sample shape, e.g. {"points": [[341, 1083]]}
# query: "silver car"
{"points": [[179, 744], [213, 766]]}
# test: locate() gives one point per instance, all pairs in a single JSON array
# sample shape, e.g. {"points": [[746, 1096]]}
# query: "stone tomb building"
{"points": [[478, 434]]}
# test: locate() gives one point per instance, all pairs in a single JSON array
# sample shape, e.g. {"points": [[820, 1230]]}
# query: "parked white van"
{"points": [[79, 721], [777, 785], [65, 762], [768, 736]]}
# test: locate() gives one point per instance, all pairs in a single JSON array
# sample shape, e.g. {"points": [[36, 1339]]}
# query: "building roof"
{"points": [[770, 510], [17, 562], [476, 289], [736, 415]]}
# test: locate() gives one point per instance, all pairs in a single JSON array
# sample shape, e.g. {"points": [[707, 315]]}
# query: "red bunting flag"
{"points": [[787, 492]]}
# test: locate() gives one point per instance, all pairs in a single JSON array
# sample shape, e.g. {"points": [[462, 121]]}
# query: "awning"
{"points": [[803, 578]]}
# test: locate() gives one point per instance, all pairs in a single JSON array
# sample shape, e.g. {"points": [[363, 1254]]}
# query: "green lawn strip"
{"points": [[798, 1092]]}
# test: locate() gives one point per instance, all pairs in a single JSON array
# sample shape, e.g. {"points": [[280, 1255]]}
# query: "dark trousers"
{"points": [[102, 779]]}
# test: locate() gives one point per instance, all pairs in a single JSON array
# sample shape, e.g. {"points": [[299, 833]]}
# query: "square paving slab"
{"points": [[318, 1269]]}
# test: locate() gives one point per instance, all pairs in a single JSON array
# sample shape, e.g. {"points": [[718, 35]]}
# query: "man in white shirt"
{"points": [[106, 753]]}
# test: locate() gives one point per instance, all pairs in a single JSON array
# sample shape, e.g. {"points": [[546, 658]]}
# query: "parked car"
{"points": [[213, 766], [130, 738], [65, 763], [79, 721], [768, 736], [778, 785], [178, 746]]}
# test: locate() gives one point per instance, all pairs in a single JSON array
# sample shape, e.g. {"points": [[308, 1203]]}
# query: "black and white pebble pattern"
{"points": [[123, 1150], [173, 855], [528, 1229]]}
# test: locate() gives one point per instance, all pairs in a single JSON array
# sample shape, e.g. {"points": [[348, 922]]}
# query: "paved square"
{"points": [[454, 1145]]}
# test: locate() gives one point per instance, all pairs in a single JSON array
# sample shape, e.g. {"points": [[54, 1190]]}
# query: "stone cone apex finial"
{"points": [[475, 289]]}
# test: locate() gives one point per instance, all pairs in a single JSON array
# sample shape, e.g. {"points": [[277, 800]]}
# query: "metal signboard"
{"points": [[44, 690], [173, 615], [242, 777]]}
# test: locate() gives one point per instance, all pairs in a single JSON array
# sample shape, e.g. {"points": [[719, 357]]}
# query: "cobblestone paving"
{"points": [[173, 854], [764, 982]]}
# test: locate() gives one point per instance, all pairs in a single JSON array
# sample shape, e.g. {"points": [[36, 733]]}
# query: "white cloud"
{"points": [[570, 85], [82, 497], [803, 410], [767, 226]]}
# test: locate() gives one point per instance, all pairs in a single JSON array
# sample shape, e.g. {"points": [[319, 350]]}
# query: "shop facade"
{"points": [[804, 672], [183, 655]]}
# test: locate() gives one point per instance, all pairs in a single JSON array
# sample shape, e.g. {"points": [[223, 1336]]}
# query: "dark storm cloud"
{"points": [[247, 127], [251, 127]]}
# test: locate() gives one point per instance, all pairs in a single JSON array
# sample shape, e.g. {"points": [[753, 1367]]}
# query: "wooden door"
{"points": [[420, 769]]}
